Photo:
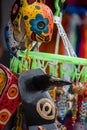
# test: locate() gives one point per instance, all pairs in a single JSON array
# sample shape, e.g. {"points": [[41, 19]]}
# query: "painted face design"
{"points": [[37, 19], [30, 21], [9, 95]]}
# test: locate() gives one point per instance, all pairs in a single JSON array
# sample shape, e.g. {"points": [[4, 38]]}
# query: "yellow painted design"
{"points": [[34, 22], [28, 12]]}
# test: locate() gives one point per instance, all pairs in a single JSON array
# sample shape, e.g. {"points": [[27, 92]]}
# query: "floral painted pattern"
{"points": [[39, 24]]}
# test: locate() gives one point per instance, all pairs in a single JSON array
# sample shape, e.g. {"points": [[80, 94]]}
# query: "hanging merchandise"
{"points": [[31, 24], [30, 21], [68, 46], [76, 73], [83, 35], [80, 91], [39, 108], [77, 35], [63, 106], [78, 25]]}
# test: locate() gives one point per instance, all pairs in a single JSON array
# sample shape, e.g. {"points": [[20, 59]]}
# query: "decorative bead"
{"points": [[63, 106]]}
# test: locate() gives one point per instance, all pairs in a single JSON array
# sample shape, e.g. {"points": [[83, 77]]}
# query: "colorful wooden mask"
{"points": [[38, 106], [9, 95], [32, 19]]}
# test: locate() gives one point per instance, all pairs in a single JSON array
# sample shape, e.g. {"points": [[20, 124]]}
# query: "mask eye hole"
{"points": [[41, 25]]}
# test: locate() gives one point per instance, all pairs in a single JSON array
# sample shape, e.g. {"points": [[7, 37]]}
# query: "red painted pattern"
{"points": [[10, 98]]}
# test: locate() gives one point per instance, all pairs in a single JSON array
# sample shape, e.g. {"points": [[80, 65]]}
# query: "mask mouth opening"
{"points": [[39, 37]]}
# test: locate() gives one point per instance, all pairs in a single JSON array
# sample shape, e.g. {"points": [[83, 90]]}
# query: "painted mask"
{"points": [[38, 106], [9, 95], [33, 19]]}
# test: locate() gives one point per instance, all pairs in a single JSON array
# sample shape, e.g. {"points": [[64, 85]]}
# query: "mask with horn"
{"points": [[38, 106]]}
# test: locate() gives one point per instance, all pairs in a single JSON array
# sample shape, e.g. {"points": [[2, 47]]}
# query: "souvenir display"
{"points": [[38, 106], [50, 90]]}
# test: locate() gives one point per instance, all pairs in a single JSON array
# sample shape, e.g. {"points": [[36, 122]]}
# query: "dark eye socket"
{"points": [[41, 25]]}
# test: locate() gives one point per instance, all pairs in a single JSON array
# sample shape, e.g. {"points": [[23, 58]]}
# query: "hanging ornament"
{"points": [[83, 112], [74, 109], [63, 106], [84, 107], [30, 21]]}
